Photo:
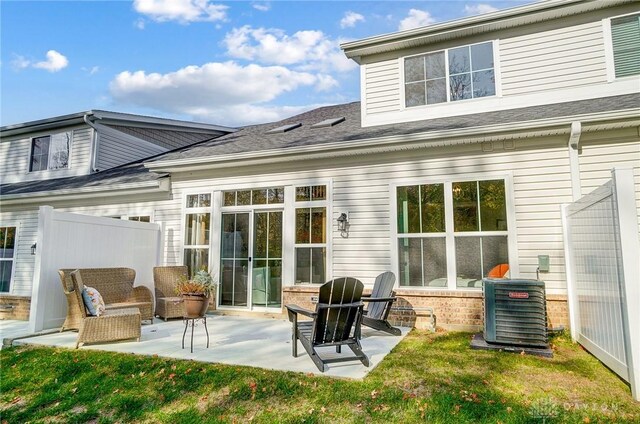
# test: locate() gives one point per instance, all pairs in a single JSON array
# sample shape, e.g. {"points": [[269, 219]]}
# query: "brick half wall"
{"points": [[454, 310], [15, 307]]}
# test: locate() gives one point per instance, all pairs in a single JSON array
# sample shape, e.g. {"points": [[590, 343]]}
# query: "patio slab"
{"points": [[233, 340]]}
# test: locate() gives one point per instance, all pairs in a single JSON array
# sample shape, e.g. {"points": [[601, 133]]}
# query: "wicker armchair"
{"points": [[168, 305], [114, 324], [116, 287]]}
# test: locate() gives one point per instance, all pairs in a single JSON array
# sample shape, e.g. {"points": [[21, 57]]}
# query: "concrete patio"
{"points": [[234, 340]]}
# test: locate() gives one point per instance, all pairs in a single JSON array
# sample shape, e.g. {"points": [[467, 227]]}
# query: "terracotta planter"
{"points": [[195, 305]]}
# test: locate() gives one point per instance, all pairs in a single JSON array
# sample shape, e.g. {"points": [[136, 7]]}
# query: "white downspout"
{"points": [[94, 144], [574, 160]]}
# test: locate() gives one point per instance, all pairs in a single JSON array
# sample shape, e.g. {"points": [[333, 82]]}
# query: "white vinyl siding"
{"points": [[114, 150], [555, 59], [598, 158], [26, 223], [537, 168], [15, 157], [381, 86]]}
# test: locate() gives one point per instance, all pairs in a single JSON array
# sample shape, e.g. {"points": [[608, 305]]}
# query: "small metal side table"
{"points": [[192, 320]]}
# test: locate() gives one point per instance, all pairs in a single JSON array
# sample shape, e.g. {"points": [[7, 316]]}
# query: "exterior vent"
{"points": [[328, 122], [515, 312], [284, 128]]}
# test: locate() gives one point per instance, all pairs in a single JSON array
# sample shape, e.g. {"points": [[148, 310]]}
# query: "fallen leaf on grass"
{"points": [[374, 394], [171, 376], [509, 410], [586, 420]]}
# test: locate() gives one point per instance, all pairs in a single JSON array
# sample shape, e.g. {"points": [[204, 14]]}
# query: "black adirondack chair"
{"points": [[379, 304], [335, 322]]}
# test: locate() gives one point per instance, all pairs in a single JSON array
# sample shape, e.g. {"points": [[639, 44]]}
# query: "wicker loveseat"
{"points": [[116, 287], [112, 325]]}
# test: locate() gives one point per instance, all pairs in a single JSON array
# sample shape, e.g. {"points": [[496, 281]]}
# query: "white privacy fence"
{"points": [[603, 275], [67, 240]]}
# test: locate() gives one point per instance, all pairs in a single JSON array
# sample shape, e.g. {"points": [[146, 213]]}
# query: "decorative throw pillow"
{"points": [[93, 301]]}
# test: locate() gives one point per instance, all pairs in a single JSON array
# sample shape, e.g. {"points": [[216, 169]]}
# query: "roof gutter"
{"points": [[520, 130], [147, 187]]}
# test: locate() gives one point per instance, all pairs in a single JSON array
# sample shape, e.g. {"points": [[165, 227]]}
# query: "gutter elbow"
{"points": [[574, 137]]}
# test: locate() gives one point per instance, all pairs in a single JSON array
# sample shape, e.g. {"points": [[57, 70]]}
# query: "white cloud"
{"points": [[19, 62], [91, 71], [263, 7], [478, 9], [307, 50], [215, 89], [246, 114], [350, 19], [55, 62], [183, 11], [416, 18], [139, 23]]}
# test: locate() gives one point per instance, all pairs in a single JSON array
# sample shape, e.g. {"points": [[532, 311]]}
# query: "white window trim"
{"points": [[327, 204], [183, 225], [48, 171], [449, 233], [15, 256], [608, 49], [496, 71]]}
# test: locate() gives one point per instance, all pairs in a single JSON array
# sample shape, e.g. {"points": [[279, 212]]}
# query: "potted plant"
{"points": [[196, 293]]}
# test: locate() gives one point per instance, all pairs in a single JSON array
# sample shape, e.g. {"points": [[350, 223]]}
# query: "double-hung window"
{"points": [[197, 231], [625, 40], [451, 234], [7, 255], [311, 234], [50, 152], [460, 73]]}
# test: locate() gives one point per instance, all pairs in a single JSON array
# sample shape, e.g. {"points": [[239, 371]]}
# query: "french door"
{"points": [[251, 259]]}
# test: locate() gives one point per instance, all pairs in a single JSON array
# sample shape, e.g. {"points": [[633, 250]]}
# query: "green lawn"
{"points": [[427, 378]]}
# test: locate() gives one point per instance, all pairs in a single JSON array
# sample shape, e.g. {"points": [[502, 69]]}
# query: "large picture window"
{"points": [[7, 255], [197, 232], [477, 236], [446, 76], [50, 152], [625, 38], [311, 234]]}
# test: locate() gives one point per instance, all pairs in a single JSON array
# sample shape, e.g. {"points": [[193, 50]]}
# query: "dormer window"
{"points": [[460, 73], [50, 152]]}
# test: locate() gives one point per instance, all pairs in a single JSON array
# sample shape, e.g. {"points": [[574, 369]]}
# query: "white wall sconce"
{"points": [[343, 223], [33, 248]]}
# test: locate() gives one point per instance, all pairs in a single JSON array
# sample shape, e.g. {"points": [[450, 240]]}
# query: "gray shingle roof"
{"points": [[255, 138], [126, 174]]}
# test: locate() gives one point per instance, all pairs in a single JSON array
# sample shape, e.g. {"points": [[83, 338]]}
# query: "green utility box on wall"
{"points": [[515, 312]]}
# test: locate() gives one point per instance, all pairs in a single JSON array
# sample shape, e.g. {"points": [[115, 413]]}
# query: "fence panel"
{"points": [[599, 283], [67, 240]]}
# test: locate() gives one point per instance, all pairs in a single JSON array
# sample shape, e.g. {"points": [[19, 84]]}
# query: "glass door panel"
{"points": [[234, 259], [267, 259]]}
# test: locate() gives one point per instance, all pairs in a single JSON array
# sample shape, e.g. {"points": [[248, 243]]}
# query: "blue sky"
{"points": [[229, 63]]}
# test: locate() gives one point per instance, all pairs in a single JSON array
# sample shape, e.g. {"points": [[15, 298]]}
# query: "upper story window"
{"points": [[50, 152], [454, 74], [625, 38]]}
